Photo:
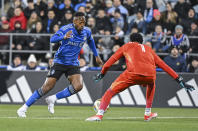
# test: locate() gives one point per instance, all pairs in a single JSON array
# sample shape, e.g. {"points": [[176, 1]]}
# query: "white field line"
{"points": [[80, 118]]}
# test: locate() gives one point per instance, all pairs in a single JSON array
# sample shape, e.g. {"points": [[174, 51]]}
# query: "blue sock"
{"points": [[68, 91], [35, 96]]}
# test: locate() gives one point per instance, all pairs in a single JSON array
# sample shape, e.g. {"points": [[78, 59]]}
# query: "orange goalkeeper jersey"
{"points": [[140, 60]]}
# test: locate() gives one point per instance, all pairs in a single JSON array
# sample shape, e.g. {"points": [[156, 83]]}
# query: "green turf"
{"points": [[71, 118]]}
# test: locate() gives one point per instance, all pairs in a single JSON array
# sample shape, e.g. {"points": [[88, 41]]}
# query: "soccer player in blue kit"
{"points": [[72, 37]]}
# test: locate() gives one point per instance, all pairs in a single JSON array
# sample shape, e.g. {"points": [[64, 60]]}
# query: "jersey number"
{"points": [[143, 49]]}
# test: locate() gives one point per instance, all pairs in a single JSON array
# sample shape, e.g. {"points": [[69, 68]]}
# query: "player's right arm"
{"points": [[116, 56], [60, 35]]}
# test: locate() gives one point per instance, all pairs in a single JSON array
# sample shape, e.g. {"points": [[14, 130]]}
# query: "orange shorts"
{"points": [[127, 79]]}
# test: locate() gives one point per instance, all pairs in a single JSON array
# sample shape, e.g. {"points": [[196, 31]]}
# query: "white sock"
{"points": [[25, 107], [54, 98], [147, 111], [100, 112]]}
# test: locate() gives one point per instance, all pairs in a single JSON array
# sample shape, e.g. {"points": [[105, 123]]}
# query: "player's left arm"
{"points": [[92, 46], [160, 63]]}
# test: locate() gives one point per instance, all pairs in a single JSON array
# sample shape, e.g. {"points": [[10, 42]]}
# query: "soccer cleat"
{"points": [[95, 118], [50, 103], [21, 112], [150, 117]]}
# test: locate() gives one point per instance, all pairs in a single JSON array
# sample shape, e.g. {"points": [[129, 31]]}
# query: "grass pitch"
{"points": [[72, 118]]}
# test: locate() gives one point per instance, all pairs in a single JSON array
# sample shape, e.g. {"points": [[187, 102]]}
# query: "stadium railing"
{"points": [[11, 51]]}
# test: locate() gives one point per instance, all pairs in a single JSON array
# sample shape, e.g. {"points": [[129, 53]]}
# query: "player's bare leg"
{"points": [[75, 86], [149, 100], [47, 86]]}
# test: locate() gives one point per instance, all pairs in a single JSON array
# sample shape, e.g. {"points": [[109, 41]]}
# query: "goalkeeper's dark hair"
{"points": [[79, 14], [136, 37]]}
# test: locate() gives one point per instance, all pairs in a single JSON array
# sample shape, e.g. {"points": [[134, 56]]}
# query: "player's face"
{"points": [[79, 22]]}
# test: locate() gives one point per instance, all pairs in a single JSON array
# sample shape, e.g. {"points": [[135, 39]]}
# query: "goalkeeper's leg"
{"points": [[149, 100], [119, 85]]}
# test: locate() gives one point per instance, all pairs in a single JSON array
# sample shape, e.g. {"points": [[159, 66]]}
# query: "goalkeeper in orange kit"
{"points": [[141, 63]]}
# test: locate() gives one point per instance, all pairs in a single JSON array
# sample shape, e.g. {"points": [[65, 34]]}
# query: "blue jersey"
{"points": [[69, 50]]}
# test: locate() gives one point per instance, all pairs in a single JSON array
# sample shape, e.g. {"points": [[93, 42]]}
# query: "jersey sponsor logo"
{"points": [[80, 44], [184, 98]]}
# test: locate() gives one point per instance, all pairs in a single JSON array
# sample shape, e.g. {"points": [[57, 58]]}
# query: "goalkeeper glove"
{"points": [[183, 85], [98, 77]]}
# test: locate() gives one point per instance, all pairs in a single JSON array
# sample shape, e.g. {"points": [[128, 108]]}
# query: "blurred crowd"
{"points": [[165, 24]]}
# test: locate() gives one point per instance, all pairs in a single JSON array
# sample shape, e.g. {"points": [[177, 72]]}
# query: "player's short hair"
{"points": [[136, 37], [79, 14]]}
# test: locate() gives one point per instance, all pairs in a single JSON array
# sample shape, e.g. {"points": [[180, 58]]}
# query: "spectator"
{"points": [[68, 17], [156, 21], [18, 16], [31, 24], [182, 8], [50, 21], [15, 4], [175, 61], [51, 6], [39, 28], [81, 3], [42, 8], [186, 22], [37, 42], [179, 40], [158, 39], [117, 5], [31, 8], [18, 41], [193, 67], [169, 18], [133, 30], [148, 12], [25, 3], [90, 11], [102, 21], [131, 6], [4, 40], [3, 18], [105, 45], [138, 22], [91, 23], [117, 20], [67, 6], [108, 5], [77, 2], [82, 9], [194, 32], [32, 64], [119, 36], [16, 64]]}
